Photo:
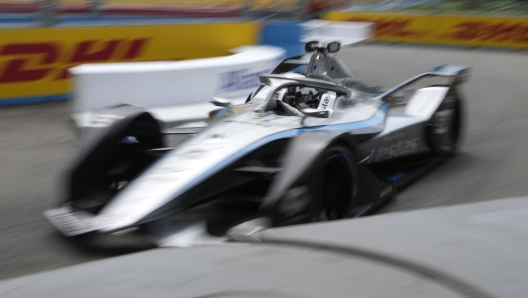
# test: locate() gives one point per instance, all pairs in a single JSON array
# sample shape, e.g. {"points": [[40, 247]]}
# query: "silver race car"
{"points": [[310, 144]]}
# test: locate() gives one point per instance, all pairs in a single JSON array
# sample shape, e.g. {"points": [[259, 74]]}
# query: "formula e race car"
{"points": [[310, 144]]}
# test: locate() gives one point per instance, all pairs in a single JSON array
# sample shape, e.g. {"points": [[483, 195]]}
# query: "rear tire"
{"points": [[445, 126]]}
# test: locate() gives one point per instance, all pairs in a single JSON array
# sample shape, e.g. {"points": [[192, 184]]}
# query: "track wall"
{"points": [[473, 31], [34, 62]]}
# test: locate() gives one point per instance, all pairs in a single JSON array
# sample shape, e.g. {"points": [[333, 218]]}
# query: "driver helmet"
{"points": [[307, 97]]}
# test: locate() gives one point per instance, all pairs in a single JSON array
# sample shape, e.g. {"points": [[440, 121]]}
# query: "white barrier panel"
{"points": [[345, 32], [152, 84]]}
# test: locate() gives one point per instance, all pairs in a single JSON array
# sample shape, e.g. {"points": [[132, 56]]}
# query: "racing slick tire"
{"points": [[334, 184], [445, 127], [143, 136], [116, 165]]}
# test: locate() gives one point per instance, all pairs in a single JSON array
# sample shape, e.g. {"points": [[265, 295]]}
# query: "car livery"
{"points": [[304, 147]]}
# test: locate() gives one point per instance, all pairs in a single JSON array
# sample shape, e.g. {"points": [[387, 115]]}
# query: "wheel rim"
{"points": [[337, 188], [447, 142], [454, 127]]}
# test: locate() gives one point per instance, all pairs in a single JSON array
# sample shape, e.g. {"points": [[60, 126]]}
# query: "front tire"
{"points": [[334, 184]]}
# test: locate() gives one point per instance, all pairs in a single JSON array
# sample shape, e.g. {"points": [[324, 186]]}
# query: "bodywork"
{"points": [[244, 164]]}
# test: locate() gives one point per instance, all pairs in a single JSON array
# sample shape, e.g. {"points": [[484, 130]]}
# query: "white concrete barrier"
{"points": [[172, 83], [346, 33]]}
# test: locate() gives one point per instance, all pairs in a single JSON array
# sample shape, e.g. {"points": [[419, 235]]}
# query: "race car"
{"points": [[311, 144]]}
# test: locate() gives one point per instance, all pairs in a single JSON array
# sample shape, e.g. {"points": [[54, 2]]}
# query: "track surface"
{"points": [[36, 141]]}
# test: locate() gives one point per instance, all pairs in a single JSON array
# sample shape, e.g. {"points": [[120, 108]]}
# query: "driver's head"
{"points": [[286, 95], [306, 97]]}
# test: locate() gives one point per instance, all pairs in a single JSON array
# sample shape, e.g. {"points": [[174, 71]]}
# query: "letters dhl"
{"points": [[390, 27], [28, 62], [503, 31]]}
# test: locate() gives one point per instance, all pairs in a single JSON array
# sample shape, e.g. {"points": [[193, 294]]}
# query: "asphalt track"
{"points": [[36, 142]]}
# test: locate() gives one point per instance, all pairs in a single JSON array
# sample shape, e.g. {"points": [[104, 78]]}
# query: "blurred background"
{"points": [[54, 12], [40, 40]]}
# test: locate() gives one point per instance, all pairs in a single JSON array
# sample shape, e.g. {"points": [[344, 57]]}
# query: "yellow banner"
{"points": [[193, 3], [390, 27], [254, 4], [443, 29], [484, 31], [34, 62]]}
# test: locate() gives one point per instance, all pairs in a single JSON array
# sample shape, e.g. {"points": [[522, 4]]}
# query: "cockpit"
{"points": [[326, 84], [292, 100], [293, 94]]}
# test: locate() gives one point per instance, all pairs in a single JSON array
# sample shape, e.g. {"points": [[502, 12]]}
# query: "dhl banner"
{"points": [[194, 3], [34, 62], [255, 4], [443, 29]]}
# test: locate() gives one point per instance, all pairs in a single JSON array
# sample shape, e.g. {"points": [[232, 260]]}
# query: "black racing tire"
{"points": [[334, 185], [144, 135], [444, 129], [127, 154], [147, 134]]}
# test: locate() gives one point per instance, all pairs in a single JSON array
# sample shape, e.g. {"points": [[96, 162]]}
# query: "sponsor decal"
{"points": [[396, 177], [442, 121], [327, 101], [399, 27], [29, 62], [467, 30], [394, 137], [387, 191], [34, 62], [400, 148], [484, 31], [240, 79]]}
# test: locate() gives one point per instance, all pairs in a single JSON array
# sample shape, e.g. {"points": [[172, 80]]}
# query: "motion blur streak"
{"points": [[35, 143]]}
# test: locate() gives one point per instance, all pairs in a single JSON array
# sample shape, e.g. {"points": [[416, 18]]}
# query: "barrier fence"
{"points": [[463, 30], [34, 62], [291, 9]]}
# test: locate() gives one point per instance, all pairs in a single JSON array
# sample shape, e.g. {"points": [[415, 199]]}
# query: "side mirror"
{"points": [[333, 47], [311, 46], [221, 102]]}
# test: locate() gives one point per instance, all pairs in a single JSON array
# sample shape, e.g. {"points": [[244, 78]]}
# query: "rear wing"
{"points": [[458, 74]]}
